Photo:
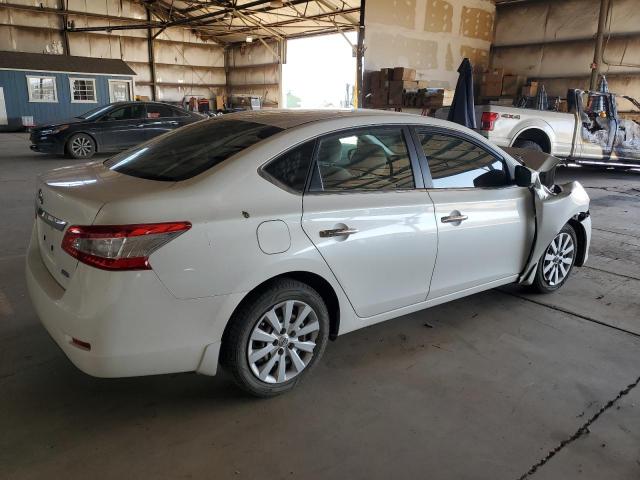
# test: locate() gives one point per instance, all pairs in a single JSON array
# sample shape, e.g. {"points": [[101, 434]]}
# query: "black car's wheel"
{"points": [[276, 338], [80, 146], [557, 261]]}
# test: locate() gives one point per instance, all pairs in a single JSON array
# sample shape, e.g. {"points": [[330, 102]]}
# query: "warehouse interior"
{"points": [[503, 384]]}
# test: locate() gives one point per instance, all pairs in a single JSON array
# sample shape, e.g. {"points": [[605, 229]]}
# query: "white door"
{"points": [[375, 230], [119, 90], [485, 224], [3, 109]]}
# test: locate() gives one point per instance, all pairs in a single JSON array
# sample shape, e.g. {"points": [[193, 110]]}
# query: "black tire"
{"points": [[528, 144], [542, 284], [234, 355], [80, 146]]}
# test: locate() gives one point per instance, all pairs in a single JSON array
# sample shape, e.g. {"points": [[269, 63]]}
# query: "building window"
{"points": [[119, 90], [83, 90], [42, 89]]}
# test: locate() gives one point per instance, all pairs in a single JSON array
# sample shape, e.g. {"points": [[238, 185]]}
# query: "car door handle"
{"points": [[173, 122], [454, 218], [140, 125], [338, 232]]}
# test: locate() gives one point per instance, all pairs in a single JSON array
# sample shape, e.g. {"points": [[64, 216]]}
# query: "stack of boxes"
{"points": [[397, 87], [495, 83]]}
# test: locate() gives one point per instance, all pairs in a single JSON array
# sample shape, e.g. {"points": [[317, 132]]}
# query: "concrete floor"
{"points": [[501, 385]]}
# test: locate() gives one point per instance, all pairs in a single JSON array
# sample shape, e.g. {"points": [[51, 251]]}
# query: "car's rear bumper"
{"points": [[134, 325]]}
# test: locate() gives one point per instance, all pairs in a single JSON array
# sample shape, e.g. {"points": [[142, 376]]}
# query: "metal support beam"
{"points": [[337, 11], [292, 22], [597, 54], [360, 58], [65, 32], [152, 58]]}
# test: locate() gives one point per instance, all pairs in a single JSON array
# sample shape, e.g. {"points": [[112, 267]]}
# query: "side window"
{"points": [[291, 168], [179, 113], [363, 160], [458, 163], [159, 111], [125, 113]]}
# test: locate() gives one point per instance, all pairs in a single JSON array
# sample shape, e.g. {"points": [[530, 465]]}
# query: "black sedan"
{"points": [[110, 128]]}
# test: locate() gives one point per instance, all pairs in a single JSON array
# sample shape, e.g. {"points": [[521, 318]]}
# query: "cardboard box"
{"points": [[422, 84], [219, 102], [374, 80], [512, 85], [403, 73], [409, 86], [396, 90], [530, 90], [437, 98], [386, 74], [379, 98], [492, 76], [563, 106], [491, 89]]}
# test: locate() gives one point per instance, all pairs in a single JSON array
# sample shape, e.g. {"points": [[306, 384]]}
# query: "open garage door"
{"points": [[320, 72]]}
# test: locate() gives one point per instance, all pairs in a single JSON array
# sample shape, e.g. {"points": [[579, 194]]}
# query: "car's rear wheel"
{"points": [[557, 261], [276, 338], [81, 146]]}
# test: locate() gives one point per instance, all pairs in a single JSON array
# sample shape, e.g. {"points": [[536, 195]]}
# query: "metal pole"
{"points": [[152, 60], [359, 54], [65, 32], [597, 54]]}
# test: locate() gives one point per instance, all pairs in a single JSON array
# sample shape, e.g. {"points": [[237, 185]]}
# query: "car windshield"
{"points": [[95, 112], [191, 150]]}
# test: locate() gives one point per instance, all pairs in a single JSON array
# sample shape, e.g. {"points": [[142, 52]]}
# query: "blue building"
{"points": [[38, 88]]}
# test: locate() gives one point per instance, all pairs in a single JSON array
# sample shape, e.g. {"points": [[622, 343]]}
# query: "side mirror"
{"points": [[523, 176]]}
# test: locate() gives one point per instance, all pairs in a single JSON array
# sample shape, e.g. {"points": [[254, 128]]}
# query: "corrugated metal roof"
{"points": [[63, 63]]}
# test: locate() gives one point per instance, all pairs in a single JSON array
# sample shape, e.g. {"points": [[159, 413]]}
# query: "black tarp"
{"points": [[461, 110]]}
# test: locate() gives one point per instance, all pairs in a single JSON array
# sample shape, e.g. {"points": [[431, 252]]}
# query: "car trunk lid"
{"points": [[74, 196]]}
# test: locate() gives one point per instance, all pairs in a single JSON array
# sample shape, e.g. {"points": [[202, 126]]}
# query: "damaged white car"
{"points": [[253, 238]]}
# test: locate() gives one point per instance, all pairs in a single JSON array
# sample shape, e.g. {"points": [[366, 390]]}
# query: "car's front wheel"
{"points": [[557, 261], [81, 146], [276, 338]]}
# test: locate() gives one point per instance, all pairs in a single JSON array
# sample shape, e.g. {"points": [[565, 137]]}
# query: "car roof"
{"points": [[141, 102], [289, 118]]}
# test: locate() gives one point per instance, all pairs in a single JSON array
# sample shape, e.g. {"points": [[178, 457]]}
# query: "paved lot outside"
{"points": [[500, 385]]}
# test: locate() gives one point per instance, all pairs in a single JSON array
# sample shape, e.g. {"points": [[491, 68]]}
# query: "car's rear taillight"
{"points": [[120, 247], [488, 120]]}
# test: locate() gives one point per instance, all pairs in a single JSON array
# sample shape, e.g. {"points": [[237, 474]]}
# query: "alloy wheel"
{"points": [[558, 259], [81, 146], [282, 342]]}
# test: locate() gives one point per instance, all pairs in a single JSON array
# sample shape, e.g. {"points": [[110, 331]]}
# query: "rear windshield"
{"points": [[191, 150]]}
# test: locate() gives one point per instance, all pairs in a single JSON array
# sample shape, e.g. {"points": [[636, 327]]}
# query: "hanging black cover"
{"points": [[542, 100], [462, 107]]}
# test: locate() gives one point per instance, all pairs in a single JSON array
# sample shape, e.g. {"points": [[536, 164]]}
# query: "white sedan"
{"points": [[251, 239]]}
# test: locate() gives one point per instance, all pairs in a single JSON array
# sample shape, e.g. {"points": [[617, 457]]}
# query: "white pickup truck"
{"points": [[591, 133]]}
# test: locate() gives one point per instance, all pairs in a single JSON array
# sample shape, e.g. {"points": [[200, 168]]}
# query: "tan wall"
{"points": [[254, 69], [553, 41], [186, 65], [432, 36]]}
